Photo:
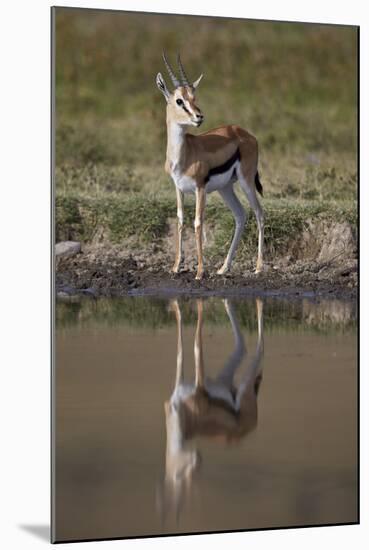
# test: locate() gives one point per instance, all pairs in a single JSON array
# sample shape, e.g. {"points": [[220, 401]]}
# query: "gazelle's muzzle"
{"points": [[198, 119]]}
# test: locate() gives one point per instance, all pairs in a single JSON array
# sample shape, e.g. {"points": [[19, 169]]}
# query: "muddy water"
{"points": [[267, 437]]}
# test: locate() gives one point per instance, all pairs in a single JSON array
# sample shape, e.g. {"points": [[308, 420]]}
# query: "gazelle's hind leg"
{"points": [[252, 377], [227, 374], [246, 177], [239, 214]]}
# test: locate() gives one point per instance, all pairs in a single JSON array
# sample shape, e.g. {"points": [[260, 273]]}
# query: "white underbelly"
{"points": [[217, 182], [220, 391], [215, 390], [185, 184]]}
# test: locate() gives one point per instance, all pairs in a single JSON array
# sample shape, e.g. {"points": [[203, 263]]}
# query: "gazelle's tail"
{"points": [[258, 185]]}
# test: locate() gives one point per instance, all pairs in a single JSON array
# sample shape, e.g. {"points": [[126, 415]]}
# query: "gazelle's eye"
{"points": [[179, 102]]}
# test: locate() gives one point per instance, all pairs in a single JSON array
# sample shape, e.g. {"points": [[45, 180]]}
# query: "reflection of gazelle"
{"points": [[209, 407], [211, 161]]}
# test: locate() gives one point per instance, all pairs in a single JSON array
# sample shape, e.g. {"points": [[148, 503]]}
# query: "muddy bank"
{"points": [[108, 270]]}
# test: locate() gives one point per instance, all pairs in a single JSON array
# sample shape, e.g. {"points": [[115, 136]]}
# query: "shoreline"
{"points": [[108, 274]]}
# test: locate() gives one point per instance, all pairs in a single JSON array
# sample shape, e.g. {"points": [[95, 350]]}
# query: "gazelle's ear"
{"points": [[197, 82], [162, 86]]}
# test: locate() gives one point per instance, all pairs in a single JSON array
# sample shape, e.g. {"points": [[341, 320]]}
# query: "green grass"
{"points": [[284, 221], [79, 217], [146, 219]]}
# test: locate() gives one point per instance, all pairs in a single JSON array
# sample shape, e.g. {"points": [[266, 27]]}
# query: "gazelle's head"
{"points": [[181, 103]]}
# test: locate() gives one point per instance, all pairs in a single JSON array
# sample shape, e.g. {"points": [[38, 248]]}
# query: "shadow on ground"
{"points": [[40, 531]]}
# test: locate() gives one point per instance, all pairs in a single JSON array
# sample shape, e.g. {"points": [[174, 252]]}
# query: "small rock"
{"points": [[62, 294], [67, 248]]}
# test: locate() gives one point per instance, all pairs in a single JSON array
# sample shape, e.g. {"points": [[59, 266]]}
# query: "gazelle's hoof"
{"points": [[199, 276], [222, 270], [258, 270], [175, 269]]}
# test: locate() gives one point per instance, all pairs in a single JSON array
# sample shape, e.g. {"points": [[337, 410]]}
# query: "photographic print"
{"points": [[205, 185]]}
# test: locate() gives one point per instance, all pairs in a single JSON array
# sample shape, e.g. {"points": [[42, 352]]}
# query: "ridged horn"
{"points": [[182, 72], [175, 80]]}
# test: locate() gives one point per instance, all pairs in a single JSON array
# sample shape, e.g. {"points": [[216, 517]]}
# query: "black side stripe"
{"points": [[223, 167]]}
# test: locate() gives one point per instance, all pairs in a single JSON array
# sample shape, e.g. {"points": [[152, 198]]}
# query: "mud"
{"points": [[108, 270]]}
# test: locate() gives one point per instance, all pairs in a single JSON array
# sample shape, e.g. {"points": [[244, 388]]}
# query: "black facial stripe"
{"points": [[185, 109], [223, 167]]}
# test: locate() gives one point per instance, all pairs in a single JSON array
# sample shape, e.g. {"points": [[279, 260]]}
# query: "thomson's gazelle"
{"points": [[212, 161]]}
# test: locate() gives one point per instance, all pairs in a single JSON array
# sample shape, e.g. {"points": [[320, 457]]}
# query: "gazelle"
{"points": [[213, 408], [211, 161]]}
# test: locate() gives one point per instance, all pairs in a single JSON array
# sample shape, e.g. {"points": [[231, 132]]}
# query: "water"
{"points": [[203, 415]]}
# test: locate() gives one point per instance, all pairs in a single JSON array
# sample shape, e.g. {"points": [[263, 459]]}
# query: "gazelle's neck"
{"points": [[176, 144]]}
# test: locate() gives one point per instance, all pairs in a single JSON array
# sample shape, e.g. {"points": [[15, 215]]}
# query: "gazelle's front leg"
{"points": [[179, 374], [180, 217], [198, 353], [199, 221]]}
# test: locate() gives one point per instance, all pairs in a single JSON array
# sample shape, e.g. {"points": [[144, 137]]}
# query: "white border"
{"points": [[25, 232]]}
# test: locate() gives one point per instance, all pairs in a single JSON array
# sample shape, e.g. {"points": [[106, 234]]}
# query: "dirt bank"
{"points": [[105, 270]]}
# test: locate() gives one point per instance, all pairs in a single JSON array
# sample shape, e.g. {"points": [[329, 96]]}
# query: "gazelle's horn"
{"points": [[182, 72], [175, 80]]}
